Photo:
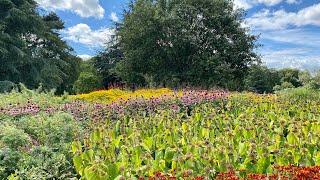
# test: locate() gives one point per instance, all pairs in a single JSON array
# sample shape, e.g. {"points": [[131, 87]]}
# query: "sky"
{"points": [[289, 30]]}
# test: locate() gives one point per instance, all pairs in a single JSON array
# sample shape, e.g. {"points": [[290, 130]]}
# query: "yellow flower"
{"points": [[114, 95]]}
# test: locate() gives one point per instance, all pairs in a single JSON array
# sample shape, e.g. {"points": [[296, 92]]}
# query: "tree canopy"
{"points": [[189, 42], [31, 49]]}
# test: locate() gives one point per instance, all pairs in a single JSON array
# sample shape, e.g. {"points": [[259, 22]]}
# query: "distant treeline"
{"points": [[259, 79]]}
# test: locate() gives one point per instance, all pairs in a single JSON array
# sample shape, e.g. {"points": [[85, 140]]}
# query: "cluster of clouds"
{"points": [[247, 4], [281, 19], [300, 50], [82, 33], [299, 58], [83, 8], [299, 44]]}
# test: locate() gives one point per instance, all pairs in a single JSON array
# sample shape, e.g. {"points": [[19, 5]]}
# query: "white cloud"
{"points": [[84, 8], [82, 33], [85, 57], [292, 57], [299, 46], [244, 4], [293, 1], [301, 37], [114, 17], [281, 19], [269, 2], [247, 4], [301, 49]]}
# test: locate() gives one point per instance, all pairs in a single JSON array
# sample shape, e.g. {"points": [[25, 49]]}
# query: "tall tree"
{"points": [[105, 63], [193, 42], [32, 51]]}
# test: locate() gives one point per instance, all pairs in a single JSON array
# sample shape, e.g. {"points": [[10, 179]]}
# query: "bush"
{"points": [[44, 163], [87, 82], [7, 86], [313, 84], [57, 129], [283, 86], [12, 141], [13, 138], [40, 148], [262, 79], [8, 161]]}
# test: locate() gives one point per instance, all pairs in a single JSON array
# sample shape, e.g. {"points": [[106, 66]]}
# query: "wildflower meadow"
{"points": [[160, 134]]}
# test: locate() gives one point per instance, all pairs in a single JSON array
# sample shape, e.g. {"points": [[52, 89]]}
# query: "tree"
{"points": [[89, 79], [200, 43], [32, 51], [105, 64], [283, 86], [314, 82], [305, 77], [290, 76], [261, 79]]}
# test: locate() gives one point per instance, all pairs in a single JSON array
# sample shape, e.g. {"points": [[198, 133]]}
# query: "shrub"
{"points": [[313, 84], [7, 86], [13, 138], [45, 163], [9, 159], [87, 82], [283, 86]]}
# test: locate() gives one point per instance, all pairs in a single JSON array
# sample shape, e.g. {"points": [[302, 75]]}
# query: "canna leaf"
{"points": [[292, 139]]}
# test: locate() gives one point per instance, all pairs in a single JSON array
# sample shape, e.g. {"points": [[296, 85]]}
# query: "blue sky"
{"points": [[289, 29]]}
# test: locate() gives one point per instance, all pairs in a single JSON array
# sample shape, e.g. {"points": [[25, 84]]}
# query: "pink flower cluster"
{"points": [[173, 102], [82, 111], [193, 97], [17, 109]]}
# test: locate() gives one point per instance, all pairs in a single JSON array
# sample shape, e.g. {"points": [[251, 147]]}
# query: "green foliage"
{"points": [[89, 80], [305, 77], [6, 86], [290, 76], [302, 93], [32, 51], [45, 163], [283, 86], [314, 82], [106, 62], [25, 95], [249, 133], [50, 131], [36, 146], [9, 160], [13, 138], [246, 132], [262, 79], [170, 43]]}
